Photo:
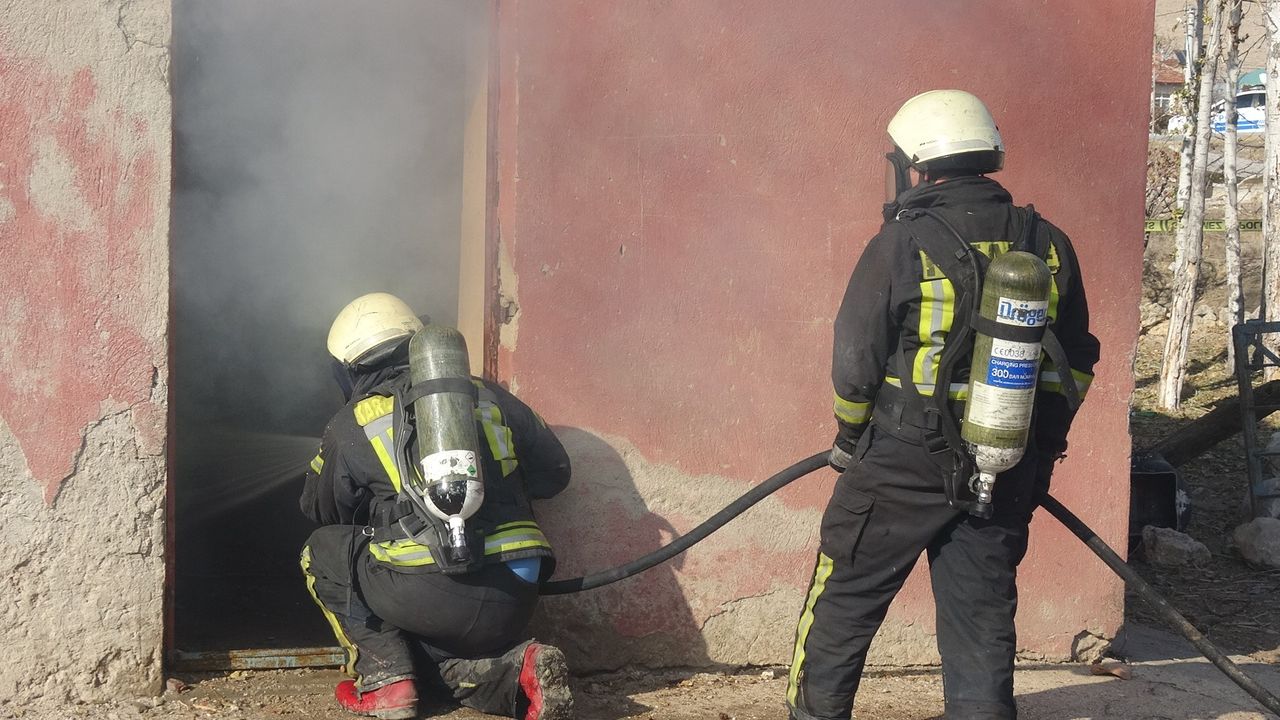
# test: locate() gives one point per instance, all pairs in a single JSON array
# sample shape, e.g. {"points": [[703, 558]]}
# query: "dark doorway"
{"points": [[318, 155]]}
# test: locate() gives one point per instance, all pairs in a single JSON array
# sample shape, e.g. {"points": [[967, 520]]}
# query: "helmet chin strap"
{"points": [[901, 165], [342, 374]]}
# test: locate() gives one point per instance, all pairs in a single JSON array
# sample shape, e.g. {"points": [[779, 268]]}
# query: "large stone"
{"points": [[1267, 506], [1170, 548], [1258, 541]]}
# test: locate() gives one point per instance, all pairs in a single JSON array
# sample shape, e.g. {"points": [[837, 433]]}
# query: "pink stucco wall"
{"points": [[684, 188]]}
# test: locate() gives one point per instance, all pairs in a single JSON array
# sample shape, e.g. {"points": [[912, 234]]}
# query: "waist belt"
{"points": [[905, 417], [384, 523]]}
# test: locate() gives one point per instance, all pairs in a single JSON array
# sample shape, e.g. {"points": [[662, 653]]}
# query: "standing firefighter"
{"points": [[910, 481], [429, 546]]}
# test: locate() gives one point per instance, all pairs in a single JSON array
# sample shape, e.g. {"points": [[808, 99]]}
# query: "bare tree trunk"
{"points": [[1235, 295], [1191, 229], [1270, 179], [1195, 30]]}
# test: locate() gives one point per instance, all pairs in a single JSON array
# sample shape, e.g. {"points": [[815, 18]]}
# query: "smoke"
{"points": [[317, 156]]}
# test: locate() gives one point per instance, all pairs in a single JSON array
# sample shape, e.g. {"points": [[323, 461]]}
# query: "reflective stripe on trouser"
{"points": [[885, 510], [377, 654], [464, 624]]}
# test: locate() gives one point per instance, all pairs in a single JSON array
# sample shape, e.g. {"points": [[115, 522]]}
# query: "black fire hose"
{"points": [[1048, 502], [686, 541], [1161, 606]]}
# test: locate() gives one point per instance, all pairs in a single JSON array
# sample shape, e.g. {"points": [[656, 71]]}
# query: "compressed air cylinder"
{"points": [[448, 446], [1002, 378]]}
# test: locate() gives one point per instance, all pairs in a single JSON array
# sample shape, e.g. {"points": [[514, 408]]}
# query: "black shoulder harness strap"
{"points": [[440, 385], [965, 267], [961, 265]]}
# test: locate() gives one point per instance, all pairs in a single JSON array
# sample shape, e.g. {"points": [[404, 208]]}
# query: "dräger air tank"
{"points": [[1002, 378], [449, 484]]}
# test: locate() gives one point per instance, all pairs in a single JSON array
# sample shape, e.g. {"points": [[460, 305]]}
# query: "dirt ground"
{"points": [[663, 695], [1167, 682], [1231, 602]]}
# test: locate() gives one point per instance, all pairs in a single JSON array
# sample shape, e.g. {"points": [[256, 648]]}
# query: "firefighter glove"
{"points": [[839, 460]]}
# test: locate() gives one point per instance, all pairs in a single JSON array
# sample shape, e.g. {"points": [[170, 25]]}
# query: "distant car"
{"points": [[1251, 112]]}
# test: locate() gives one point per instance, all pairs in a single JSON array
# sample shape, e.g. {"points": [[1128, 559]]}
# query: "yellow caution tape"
{"points": [[1171, 225]]}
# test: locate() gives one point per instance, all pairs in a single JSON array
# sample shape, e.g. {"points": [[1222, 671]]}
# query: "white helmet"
{"points": [[369, 322], [943, 129]]}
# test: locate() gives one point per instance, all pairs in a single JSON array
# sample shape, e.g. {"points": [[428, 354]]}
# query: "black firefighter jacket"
{"points": [[354, 477], [897, 299]]}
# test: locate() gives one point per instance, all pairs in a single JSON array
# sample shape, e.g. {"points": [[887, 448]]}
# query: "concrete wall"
{"points": [[84, 197], [683, 190]]}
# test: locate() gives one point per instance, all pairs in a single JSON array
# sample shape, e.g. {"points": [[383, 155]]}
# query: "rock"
{"points": [[148, 703], [1267, 506], [1206, 314], [1152, 313], [1170, 548], [1258, 541], [770, 674], [1089, 648]]}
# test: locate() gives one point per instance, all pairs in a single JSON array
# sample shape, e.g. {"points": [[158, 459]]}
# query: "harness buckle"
{"points": [[935, 442]]}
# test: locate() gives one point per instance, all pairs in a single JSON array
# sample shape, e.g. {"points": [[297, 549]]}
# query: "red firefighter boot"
{"points": [[397, 701], [544, 679]]}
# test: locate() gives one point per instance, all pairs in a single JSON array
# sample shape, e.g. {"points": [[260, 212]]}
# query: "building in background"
{"points": [[1167, 80]]}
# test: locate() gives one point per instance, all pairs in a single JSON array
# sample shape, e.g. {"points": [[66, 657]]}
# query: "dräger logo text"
{"points": [[1021, 313]]}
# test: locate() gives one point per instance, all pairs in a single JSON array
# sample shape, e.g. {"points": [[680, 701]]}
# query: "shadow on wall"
{"points": [[602, 520]]}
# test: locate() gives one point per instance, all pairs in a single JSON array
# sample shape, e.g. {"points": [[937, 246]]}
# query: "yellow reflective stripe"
{"points": [[385, 458], [937, 311], [957, 391], [343, 640], [519, 541], [507, 537], [511, 547], [853, 413], [930, 271], [1051, 381], [372, 408], [1053, 299], [517, 532], [498, 435], [516, 524], [378, 426], [317, 464], [405, 553], [1083, 381], [820, 576]]}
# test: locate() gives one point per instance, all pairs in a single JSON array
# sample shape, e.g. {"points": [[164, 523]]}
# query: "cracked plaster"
{"points": [[84, 186]]}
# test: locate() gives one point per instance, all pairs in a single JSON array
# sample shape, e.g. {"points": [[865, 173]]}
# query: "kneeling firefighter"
{"points": [[429, 548], [945, 314]]}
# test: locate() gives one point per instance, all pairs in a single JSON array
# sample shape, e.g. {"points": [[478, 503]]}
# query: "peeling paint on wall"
{"points": [[84, 199], [84, 188]]}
